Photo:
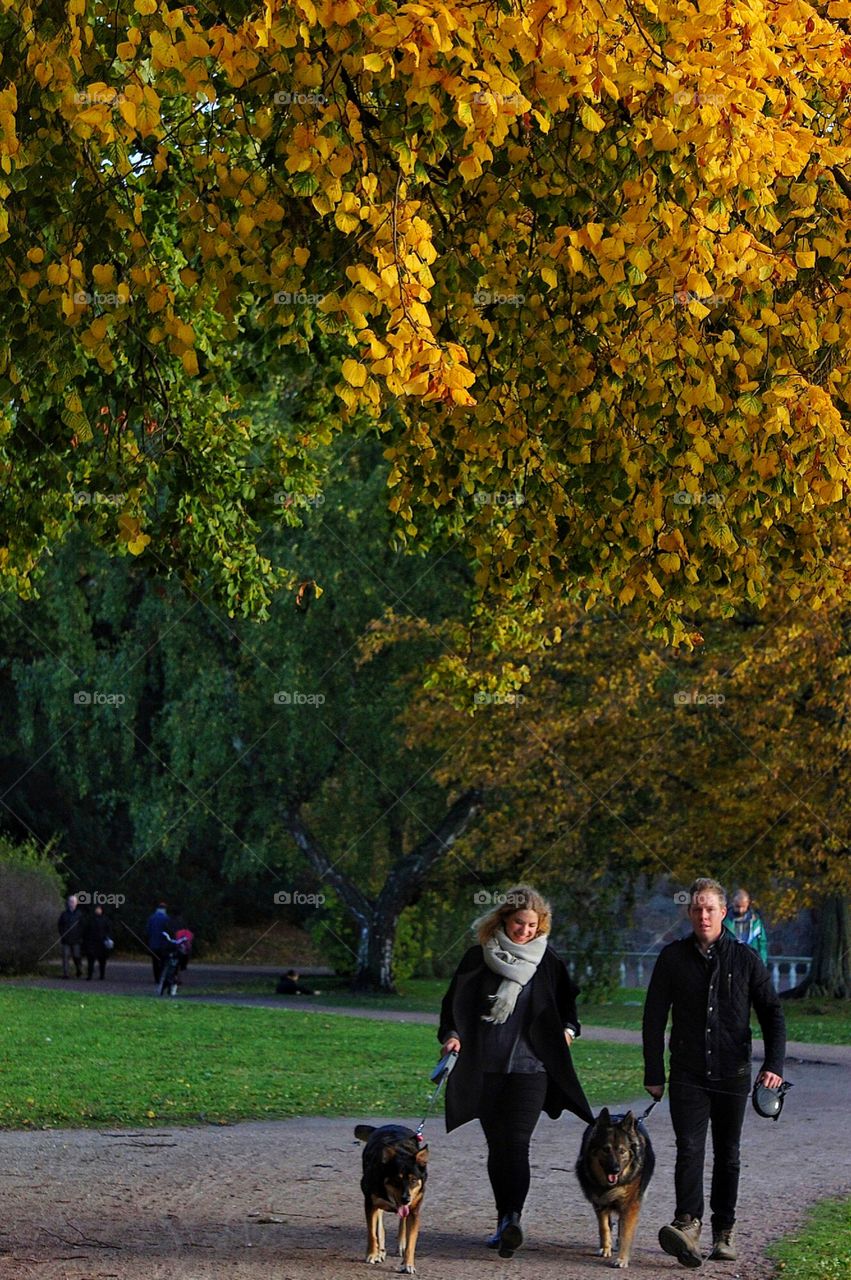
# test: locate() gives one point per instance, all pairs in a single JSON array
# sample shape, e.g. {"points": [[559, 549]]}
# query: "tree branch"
{"points": [[326, 870]]}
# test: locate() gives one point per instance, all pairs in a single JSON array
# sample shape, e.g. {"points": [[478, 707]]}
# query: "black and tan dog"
{"points": [[395, 1167], [615, 1164]]}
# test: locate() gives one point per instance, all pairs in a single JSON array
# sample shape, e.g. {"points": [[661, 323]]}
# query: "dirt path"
{"points": [[280, 1201]]}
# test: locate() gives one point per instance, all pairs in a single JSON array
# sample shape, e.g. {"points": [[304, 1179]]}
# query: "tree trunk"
{"points": [[375, 973], [378, 918], [830, 975]]}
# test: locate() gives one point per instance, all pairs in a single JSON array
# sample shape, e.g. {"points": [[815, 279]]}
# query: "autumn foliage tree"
{"points": [[584, 266], [619, 759]]}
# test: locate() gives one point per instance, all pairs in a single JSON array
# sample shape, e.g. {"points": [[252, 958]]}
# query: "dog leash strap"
{"points": [[432, 1100], [646, 1113]]}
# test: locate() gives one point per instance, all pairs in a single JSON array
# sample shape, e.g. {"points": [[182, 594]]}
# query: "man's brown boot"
{"points": [[680, 1239], [723, 1249]]}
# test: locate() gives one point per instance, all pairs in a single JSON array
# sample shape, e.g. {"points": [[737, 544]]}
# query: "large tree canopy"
{"points": [[585, 265]]}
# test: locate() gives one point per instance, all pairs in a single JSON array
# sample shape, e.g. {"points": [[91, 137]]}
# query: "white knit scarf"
{"points": [[515, 963]]}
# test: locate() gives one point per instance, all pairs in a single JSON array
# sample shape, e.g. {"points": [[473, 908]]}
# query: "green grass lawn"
{"points": [[821, 1248], [91, 1060], [813, 1021]]}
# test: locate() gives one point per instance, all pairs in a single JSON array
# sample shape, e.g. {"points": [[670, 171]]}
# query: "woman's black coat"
{"points": [[553, 1004]]}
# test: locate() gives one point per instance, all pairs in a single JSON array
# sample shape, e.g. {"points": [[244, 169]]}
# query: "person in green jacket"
{"points": [[747, 925]]}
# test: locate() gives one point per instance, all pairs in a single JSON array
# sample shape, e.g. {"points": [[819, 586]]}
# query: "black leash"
{"points": [[440, 1074]]}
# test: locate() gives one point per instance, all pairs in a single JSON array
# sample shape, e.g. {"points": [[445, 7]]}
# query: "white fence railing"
{"points": [[635, 968]]}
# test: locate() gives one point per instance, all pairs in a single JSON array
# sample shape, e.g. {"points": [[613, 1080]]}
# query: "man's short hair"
{"points": [[704, 885]]}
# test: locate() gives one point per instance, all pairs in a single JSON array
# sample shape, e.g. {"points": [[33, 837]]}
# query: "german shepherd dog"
{"points": [[615, 1164], [395, 1168]]}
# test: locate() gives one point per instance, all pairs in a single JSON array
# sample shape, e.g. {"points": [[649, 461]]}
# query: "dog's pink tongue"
{"points": [[404, 1210], [613, 1177]]}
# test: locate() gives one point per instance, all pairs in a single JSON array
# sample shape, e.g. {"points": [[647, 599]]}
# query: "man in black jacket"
{"points": [[710, 984], [71, 925]]}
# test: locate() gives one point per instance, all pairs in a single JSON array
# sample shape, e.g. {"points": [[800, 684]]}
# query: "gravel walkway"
{"points": [[280, 1201]]}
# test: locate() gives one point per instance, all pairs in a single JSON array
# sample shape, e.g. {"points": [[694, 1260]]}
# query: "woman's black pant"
{"points": [[696, 1105], [511, 1105]]}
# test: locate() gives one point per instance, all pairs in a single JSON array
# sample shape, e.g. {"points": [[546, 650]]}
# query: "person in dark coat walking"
{"points": [[97, 933], [709, 983], [510, 1015], [70, 926], [158, 925]]}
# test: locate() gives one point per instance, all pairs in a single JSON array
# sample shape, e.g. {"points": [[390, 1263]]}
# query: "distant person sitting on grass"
{"points": [[289, 985]]}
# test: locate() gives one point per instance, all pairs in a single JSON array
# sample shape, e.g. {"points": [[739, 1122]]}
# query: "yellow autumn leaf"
{"points": [[470, 167], [663, 137], [354, 373], [137, 545], [593, 122], [128, 111], [669, 562], [148, 113]]}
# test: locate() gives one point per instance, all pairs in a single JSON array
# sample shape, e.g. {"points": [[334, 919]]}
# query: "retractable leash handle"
{"points": [[443, 1068], [439, 1074]]}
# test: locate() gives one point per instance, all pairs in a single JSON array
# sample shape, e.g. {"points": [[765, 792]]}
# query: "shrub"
{"points": [[31, 895]]}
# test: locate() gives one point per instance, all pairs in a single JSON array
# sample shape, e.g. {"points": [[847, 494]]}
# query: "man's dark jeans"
{"points": [[696, 1103]]}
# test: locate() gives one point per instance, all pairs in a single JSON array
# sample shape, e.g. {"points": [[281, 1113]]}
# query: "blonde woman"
{"points": [[510, 1014]]}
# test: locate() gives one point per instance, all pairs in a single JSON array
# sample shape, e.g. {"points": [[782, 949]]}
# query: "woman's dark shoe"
{"points": [[492, 1242], [510, 1235]]}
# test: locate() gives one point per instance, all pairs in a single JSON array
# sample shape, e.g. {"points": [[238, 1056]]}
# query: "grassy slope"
{"points": [[77, 1060]]}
